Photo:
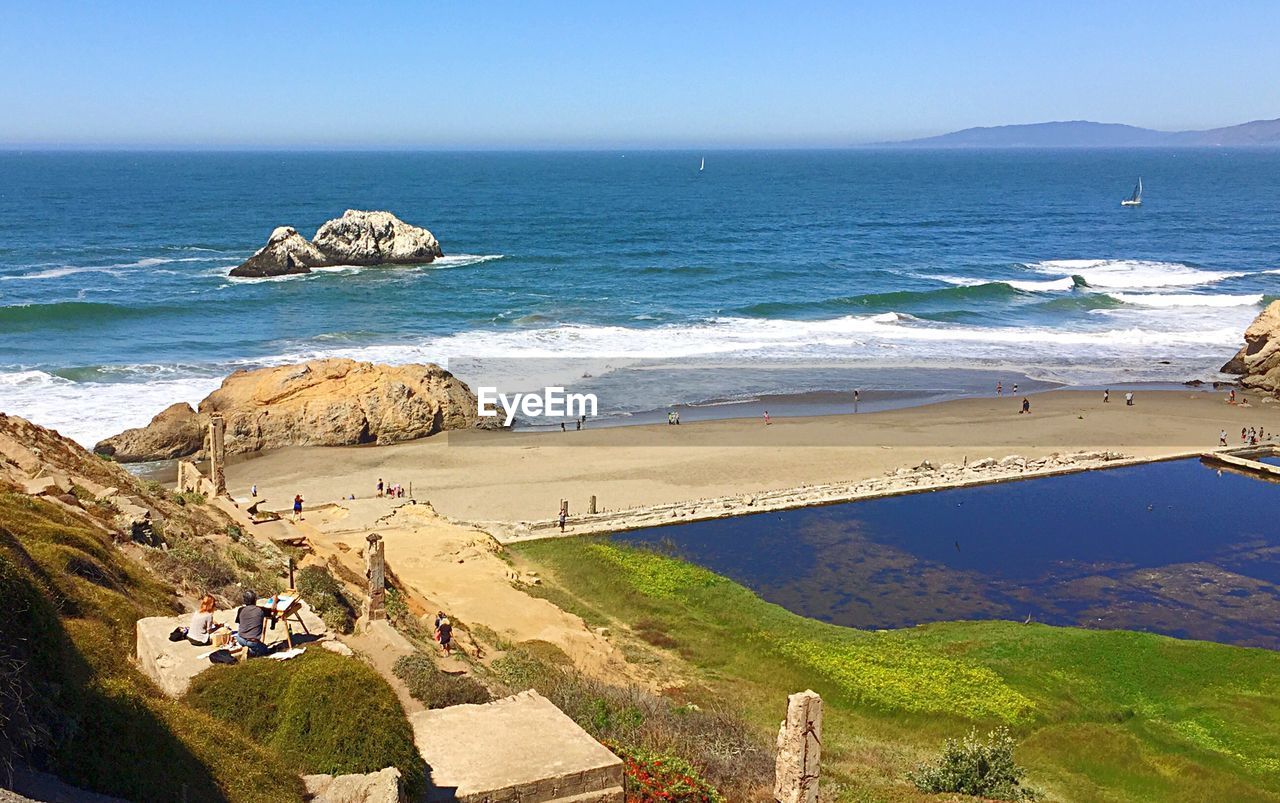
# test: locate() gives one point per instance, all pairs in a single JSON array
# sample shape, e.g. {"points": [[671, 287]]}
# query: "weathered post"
{"points": [[376, 571], [795, 777], [592, 507], [217, 453]]}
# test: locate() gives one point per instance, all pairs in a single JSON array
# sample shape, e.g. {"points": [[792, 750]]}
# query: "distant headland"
{"points": [[1087, 134]]}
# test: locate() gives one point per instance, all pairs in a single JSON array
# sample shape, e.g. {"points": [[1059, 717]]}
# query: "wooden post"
{"points": [[217, 453], [799, 750], [592, 507], [376, 572]]}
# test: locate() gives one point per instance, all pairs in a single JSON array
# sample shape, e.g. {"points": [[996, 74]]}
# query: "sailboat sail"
{"points": [[1136, 198], [703, 165]]}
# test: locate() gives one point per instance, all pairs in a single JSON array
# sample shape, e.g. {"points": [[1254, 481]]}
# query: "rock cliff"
{"points": [[357, 238], [286, 252], [329, 402], [175, 432], [1258, 362]]}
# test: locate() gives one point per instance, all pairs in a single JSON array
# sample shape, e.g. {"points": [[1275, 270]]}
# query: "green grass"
{"points": [[1101, 715], [71, 701], [321, 712]]}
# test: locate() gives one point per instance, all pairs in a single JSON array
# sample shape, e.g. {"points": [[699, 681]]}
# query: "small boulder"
{"points": [[1259, 361]]}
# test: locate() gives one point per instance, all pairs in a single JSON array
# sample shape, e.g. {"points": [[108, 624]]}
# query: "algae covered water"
{"points": [[114, 299], [1176, 548]]}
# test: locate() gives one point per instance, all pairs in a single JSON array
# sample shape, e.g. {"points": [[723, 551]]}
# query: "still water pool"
{"points": [[1177, 548]]}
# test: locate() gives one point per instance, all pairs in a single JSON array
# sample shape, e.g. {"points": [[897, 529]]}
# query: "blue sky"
{"points": [[494, 74]]}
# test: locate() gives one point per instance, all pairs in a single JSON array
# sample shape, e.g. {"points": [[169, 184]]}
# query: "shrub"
{"points": [[325, 596], [720, 746], [974, 767], [324, 712], [189, 498], [436, 689], [661, 777], [234, 532]]}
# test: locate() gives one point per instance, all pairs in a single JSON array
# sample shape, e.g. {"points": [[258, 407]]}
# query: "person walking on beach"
{"points": [[253, 490], [1128, 399], [1026, 406], [563, 518], [677, 415], [999, 388], [766, 418], [857, 397], [1244, 434], [1106, 396], [297, 507], [381, 487], [1015, 388], [1231, 397], [1222, 438]]}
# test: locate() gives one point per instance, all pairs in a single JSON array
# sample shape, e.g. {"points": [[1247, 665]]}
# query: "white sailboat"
{"points": [[703, 165], [1136, 198]]}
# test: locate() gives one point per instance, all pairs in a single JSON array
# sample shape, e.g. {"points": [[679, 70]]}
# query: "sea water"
{"points": [[892, 265]]}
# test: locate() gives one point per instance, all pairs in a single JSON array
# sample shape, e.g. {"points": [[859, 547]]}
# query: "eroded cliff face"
{"points": [[357, 238], [329, 402], [1258, 363]]}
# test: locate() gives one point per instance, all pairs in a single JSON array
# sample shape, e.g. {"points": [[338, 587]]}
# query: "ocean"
{"points": [[912, 272]]}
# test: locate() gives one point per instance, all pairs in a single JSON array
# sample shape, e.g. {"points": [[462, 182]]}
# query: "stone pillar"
{"points": [[217, 453], [799, 750], [375, 562]]}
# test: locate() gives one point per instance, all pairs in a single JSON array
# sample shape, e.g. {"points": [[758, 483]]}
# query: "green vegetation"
{"points": [[199, 566], [436, 689], [713, 744], [974, 767], [1110, 715], [659, 776], [321, 712], [72, 703], [189, 497], [325, 596]]}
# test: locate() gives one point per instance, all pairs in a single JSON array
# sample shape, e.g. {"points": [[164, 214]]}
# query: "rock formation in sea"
{"points": [[286, 252], [375, 238], [175, 432], [328, 402], [1258, 363], [357, 238]]}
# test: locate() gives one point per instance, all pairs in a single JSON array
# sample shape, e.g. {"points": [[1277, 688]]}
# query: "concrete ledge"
{"points": [[520, 748], [172, 664]]}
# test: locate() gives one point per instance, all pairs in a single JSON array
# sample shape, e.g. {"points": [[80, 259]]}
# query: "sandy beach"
{"points": [[505, 476]]}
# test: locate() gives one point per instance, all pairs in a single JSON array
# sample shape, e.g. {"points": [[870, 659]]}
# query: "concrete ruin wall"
{"points": [[799, 750]]}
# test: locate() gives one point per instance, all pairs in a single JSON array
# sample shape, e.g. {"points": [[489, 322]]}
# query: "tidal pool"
{"points": [[1178, 548]]}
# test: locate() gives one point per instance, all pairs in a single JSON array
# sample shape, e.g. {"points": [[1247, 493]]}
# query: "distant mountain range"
{"points": [[1086, 134]]}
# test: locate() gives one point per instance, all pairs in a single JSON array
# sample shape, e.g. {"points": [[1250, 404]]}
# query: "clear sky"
{"points": [[533, 74]]}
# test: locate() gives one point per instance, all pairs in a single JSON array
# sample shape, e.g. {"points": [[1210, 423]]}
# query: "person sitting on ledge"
{"points": [[249, 621], [202, 625]]}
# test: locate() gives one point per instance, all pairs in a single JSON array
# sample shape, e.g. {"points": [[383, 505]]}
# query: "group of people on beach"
{"points": [[1248, 435], [673, 418], [392, 491]]}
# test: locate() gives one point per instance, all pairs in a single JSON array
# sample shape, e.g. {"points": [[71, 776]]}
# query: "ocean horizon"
{"points": [[881, 270]]}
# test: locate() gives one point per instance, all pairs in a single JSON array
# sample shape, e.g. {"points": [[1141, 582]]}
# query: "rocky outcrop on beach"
{"points": [[285, 253], [357, 238], [375, 238], [328, 402], [1258, 363], [175, 432]]}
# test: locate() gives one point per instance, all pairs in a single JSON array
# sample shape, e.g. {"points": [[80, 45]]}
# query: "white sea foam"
{"points": [[1187, 299], [1127, 342], [1131, 274], [1026, 285], [462, 260], [115, 269]]}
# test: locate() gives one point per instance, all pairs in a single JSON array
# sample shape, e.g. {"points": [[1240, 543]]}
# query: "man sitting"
{"points": [[249, 621]]}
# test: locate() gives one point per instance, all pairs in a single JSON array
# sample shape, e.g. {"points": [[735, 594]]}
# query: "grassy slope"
{"points": [[1102, 715], [322, 712], [72, 701]]}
